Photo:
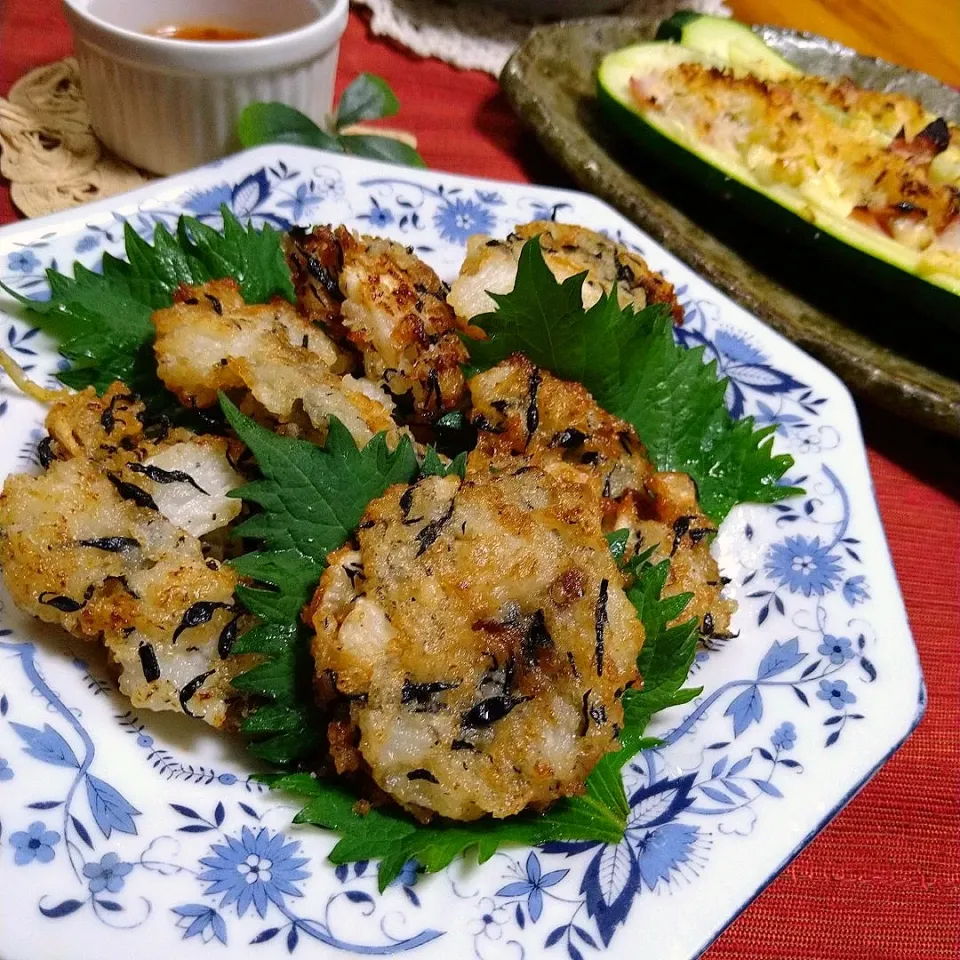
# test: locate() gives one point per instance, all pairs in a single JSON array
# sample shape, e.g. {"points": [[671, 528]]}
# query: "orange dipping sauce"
{"points": [[202, 31]]}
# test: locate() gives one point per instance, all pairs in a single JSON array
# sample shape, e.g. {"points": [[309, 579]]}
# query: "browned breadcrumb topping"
{"points": [[876, 157]]}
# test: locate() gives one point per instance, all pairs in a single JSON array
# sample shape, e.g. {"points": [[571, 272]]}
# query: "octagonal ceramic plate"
{"points": [[136, 835]]}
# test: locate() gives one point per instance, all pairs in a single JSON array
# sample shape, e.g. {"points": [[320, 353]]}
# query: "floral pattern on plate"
{"points": [[114, 825]]}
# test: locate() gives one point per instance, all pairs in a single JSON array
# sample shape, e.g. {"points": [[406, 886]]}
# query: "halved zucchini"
{"points": [[812, 211], [725, 42]]}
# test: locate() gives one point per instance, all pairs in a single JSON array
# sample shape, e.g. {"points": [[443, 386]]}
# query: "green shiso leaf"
{"points": [[311, 500], [368, 97], [101, 321], [634, 368], [312, 497]]}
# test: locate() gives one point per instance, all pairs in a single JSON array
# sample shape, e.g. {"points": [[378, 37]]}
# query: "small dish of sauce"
{"points": [[204, 32], [165, 80]]}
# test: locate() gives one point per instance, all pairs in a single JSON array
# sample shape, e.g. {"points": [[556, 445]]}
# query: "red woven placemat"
{"points": [[882, 882]]}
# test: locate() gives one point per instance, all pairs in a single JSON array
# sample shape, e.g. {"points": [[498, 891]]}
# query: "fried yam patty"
{"points": [[381, 299], [187, 477], [491, 267], [108, 428], [481, 639], [520, 409], [666, 517], [75, 553], [281, 369]]}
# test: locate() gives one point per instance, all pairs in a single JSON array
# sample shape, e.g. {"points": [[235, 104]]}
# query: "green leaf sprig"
{"points": [[634, 368], [101, 321], [369, 97], [311, 500]]}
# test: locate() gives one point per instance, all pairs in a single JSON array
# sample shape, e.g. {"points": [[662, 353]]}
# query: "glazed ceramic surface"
{"points": [[169, 105], [125, 834]]}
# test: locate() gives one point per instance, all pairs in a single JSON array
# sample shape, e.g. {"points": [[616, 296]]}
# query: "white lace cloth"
{"points": [[474, 35]]}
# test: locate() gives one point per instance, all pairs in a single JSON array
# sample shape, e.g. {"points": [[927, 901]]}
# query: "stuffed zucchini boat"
{"points": [[870, 178]]}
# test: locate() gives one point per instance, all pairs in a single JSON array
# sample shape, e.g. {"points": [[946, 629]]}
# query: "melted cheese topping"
{"points": [[826, 149]]}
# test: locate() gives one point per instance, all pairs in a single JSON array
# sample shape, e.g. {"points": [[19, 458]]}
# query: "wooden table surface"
{"points": [[922, 34]]}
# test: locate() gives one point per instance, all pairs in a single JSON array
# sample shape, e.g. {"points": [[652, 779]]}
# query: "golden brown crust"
{"points": [[105, 544], [377, 297], [491, 266], [396, 314], [76, 554], [278, 366], [482, 637], [186, 475], [108, 428], [315, 261], [521, 409]]}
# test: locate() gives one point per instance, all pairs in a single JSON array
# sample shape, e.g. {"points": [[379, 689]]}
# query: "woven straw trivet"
{"points": [[50, 154], [48, 151]]}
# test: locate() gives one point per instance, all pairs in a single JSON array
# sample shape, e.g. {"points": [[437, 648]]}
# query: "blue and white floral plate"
{"points": [[127, 835]]}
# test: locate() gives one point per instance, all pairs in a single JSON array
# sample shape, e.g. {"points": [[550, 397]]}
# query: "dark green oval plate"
{"points": [[884, 349]]}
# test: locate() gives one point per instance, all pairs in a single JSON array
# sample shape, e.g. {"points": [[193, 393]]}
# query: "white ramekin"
{"points": [[168, 105]]}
